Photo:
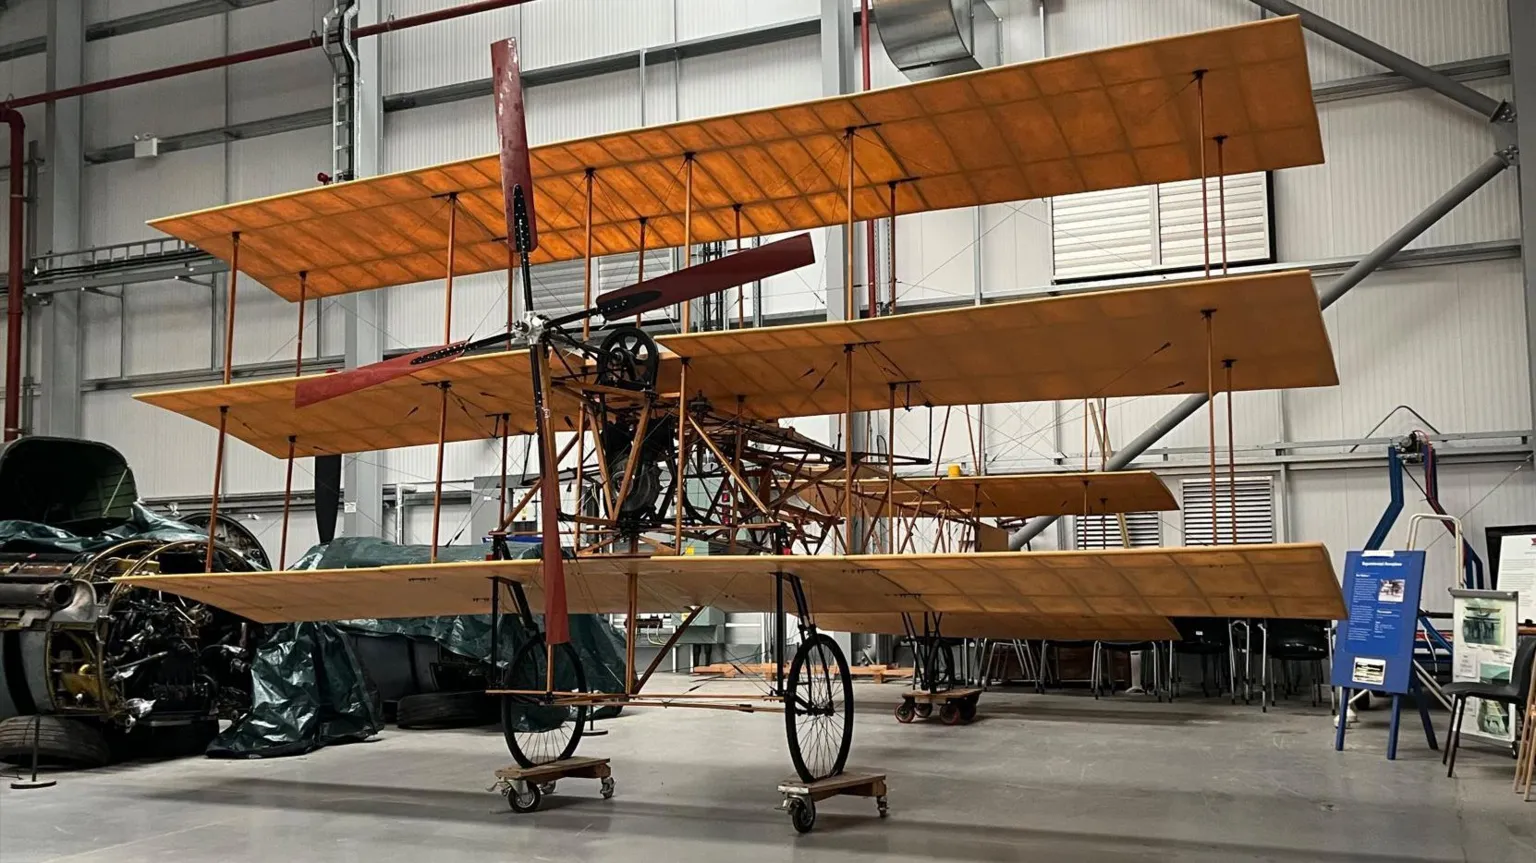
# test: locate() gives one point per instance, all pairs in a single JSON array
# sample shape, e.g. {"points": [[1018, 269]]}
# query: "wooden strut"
{"points": [[282, 546], [229, 370], [670, 643], [444, 386], [737, 441], [848, 465], [891, 251], [1205, 210], [687, 310], [298, 359], [725, 463], [741, 290], [605, 479], [218, 479], [1221, 199], [850, 306], [890, 473], [640, 262], [505, 421], [1231, 462], [586, 276], [682, 450], [632, 461], [630, 631], [527, 497], [1210, 405], [581, 463]]}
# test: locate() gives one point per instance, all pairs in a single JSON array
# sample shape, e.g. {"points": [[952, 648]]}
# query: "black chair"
{"points": [[1512, 692], [1205, 637], [1292, 641]]}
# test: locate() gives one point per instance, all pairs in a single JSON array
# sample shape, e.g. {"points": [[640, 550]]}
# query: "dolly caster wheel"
{"points": [[802, 814], [924, 710], [905, 713], [607, 788], [885, 809], [949, 714], [525, 801], [546, 787]]}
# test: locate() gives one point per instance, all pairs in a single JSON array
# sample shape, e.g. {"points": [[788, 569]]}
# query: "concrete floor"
{"points": [[1039, 778]]}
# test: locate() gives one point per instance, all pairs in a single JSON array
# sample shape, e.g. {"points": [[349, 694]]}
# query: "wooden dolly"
{"points": [[525, 787], [955, 705], [800, 797]]}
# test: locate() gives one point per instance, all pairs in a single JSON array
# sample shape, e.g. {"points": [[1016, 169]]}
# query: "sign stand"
{"points": [[1374, 648]]}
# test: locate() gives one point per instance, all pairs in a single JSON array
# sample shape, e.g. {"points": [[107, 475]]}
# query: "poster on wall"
{"points": [[1514, 567], [1485, 633]]}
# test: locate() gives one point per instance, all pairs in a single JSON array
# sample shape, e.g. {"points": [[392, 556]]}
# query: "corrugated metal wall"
{"points": [[1447, 340]]}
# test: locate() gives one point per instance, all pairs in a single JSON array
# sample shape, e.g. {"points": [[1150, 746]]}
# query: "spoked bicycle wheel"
{"points": [[538, 730], [818, 709]]}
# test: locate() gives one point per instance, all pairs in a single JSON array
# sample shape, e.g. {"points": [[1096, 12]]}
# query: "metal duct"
{"points": [[933, 38]]}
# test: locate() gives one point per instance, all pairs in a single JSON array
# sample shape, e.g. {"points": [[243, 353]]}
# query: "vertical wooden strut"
{"points": [[586, 278], [640, 263], [1205, 207], [687, 248], [741, 290], [282, 547], [848, 468], [736, 493], [453, 220], [437, 485], [1210, 405], [218, 479], [298, 358], [891, 252], [505, 421], [849, 305], [682, 453], [229, 312], [1231, 457], [890, 473], [1221, 200], [630, 631]]}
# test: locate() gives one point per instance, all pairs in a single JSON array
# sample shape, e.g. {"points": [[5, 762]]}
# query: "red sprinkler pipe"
{"points": [[13, 291], [313, 40]]}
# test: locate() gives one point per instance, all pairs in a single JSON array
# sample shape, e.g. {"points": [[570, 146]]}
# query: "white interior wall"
{"points": [[1445, 339]]}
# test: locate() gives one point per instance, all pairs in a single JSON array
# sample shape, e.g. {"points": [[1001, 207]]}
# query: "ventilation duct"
{"points": [[933, 38]]}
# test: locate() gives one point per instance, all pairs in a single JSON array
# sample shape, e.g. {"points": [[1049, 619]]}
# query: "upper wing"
{"points": [[1295, 580]]}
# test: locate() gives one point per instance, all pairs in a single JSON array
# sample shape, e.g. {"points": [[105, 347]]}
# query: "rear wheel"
{"points": [[818, 709], [538, 728]]}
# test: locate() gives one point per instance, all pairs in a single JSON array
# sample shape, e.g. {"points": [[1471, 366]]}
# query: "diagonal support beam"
{"points": [[1492, 167], [1490, 108]]}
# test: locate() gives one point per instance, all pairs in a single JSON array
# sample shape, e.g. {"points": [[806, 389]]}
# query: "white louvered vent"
{"points": [[1255, 511], [1130, 231], [557, 287], [1103, 531]]}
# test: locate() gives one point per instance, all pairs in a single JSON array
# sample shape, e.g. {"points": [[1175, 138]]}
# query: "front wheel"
{"points": [[538, 729], [818, 709]]}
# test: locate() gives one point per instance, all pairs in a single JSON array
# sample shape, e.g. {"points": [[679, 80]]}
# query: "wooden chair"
{"points": [[1525, 759]]}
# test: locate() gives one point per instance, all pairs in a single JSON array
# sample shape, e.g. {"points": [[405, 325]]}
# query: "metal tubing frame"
{"points": [[1487, 106], [1490, 168]]}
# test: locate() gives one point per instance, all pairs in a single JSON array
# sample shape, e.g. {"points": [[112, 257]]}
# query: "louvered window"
{"points": [[1255, 519], [1130, 231], [557, 287], [1103, 531]]}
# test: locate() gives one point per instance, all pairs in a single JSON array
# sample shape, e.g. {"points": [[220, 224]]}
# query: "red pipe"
{"points": [[869, 226], [311, 41], [13, 291]]}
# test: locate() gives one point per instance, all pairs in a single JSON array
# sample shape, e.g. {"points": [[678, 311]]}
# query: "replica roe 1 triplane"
{"points": [[676, 439]]}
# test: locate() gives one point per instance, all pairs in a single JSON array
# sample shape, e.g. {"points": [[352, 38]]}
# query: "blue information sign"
{"points": [[1374, 648]]}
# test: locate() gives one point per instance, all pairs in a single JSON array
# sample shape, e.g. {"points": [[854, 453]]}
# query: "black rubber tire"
{"points": [[526, 803], [61, 742], [527, 672], [950, 714], [967, 710], [905, 713], [800, 693], [445, 710], [802, 814], [925, 709]]}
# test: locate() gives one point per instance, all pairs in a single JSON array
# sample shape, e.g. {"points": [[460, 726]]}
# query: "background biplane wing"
{"points": [[1268, 581], [1053, 627]]}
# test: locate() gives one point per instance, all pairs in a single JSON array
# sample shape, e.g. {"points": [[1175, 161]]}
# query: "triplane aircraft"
{"points": [[677, 438]]}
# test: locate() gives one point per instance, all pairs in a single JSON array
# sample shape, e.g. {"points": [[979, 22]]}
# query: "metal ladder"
{"points": [[341, 50]]}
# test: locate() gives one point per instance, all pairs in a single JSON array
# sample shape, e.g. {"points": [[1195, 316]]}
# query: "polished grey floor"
{"points": [[1038, 778]]}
